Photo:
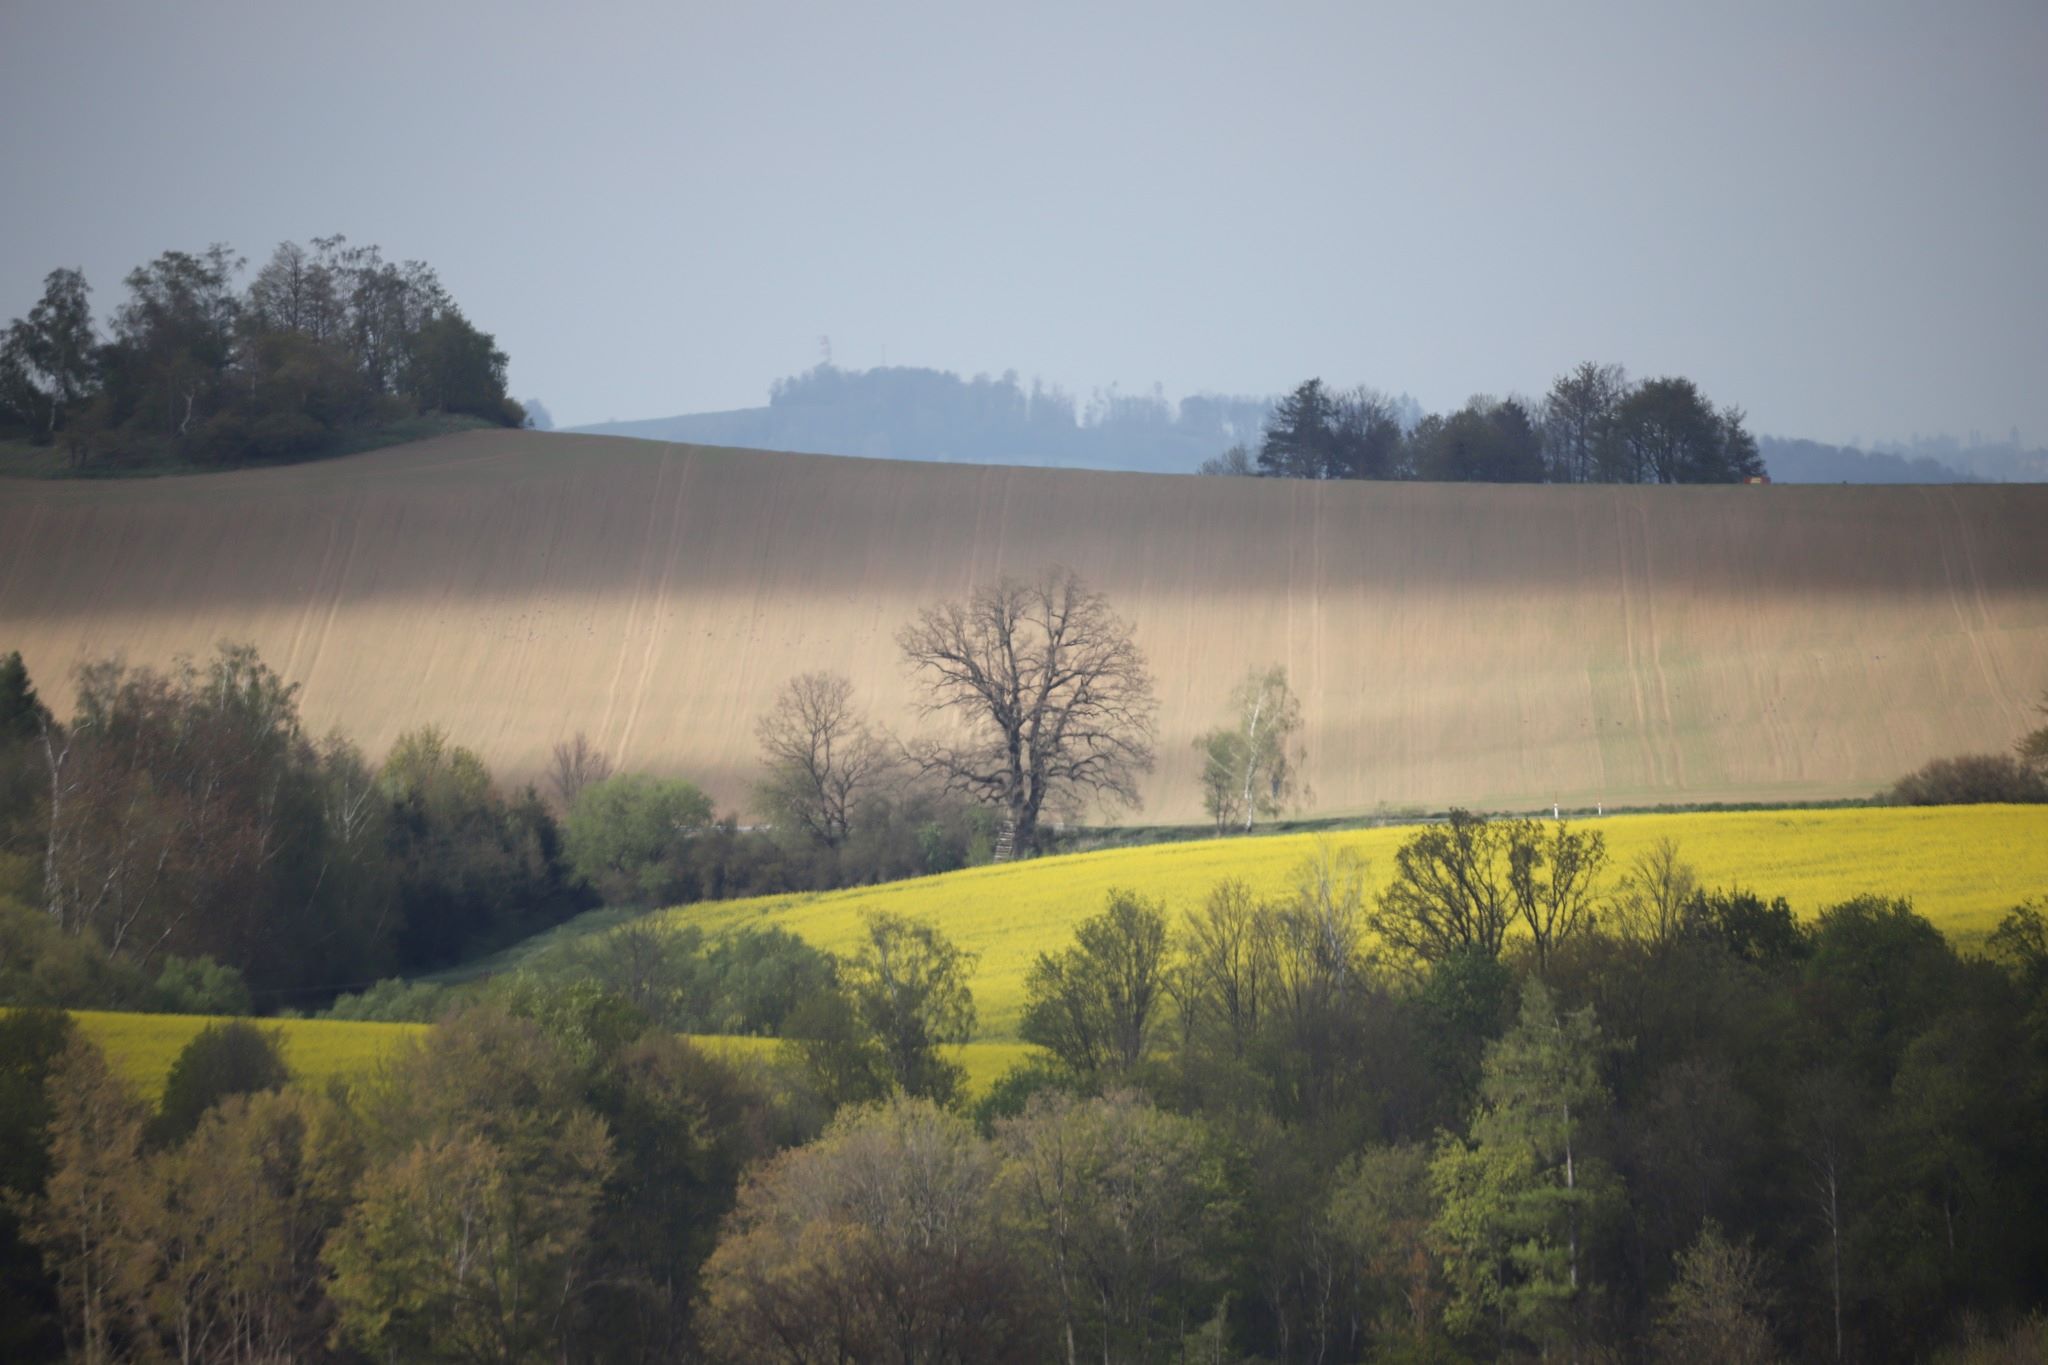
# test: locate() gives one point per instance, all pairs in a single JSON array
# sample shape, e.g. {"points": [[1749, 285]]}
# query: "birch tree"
{"points": [[1250, 768]]}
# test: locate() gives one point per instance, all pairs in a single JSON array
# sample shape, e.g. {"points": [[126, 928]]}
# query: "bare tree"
{"points": [[1053, 694], [1235, 462], [577, 764], [1450, 892], [2033, 746], [822, 757], [1551, 876], [1649, 904]]}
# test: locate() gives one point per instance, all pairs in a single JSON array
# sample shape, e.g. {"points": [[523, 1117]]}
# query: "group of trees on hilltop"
{"points": [[1593, 426], [324, 339]]}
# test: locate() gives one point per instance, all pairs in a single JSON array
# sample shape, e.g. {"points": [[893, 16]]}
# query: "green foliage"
{"points": [[1125, 1202], [200, 986], [1879, 975], [631, 837], [31, 1044], [684, 1126], [485, 1169], [1748, 927], [587, 1023], [395, 1000], [47, 360], [232, 1058], [42, 965], [1011, 1093], [472, 871], [1093, 1005], [22, 713], [1716, 1314], [753, 981], [1669, 433], [1450, 891], [83, 1219], [907, 984], [880, 1241], [1485, 442], [458, 1250], [1521, 1197], [191, 816], [324, 346], [1594, 426], [1248, 770], [1460, 886]]}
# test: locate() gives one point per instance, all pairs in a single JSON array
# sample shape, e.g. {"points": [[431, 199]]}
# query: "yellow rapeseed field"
{"points": [[142, 1047], [1962, 866]]}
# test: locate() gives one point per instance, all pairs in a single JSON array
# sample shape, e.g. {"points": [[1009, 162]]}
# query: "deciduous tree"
{"points": [[822, 758], [48, 360], [1249, 767], [907, 983], [1093, 1004], [880, 1241], [1049, 688], [1450, 891], [575, 764], [1126, 1204]]}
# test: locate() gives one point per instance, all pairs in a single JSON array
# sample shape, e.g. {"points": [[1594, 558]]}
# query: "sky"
{"points": [[1829, 214]]}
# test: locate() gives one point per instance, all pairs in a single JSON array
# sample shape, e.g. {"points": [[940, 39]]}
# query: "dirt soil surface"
{"points": [[1499, 647]]}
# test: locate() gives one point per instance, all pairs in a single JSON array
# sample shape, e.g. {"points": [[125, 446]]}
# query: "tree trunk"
{"points": [[1251, 758]]}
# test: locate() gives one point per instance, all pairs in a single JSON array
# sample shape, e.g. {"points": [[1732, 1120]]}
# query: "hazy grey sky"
{"points": [[1832, 214]]}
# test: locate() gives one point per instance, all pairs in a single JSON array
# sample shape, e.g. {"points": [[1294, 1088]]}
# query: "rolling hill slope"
{"points": [[1496, 647], [1963, 867]]}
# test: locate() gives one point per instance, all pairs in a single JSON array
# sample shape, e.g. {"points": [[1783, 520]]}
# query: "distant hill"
{"points": [[2004, 461], [918, 414], [921, 414], [1488, 645], [1796, 461]]}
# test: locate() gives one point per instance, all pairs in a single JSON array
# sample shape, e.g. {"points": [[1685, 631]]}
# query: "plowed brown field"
{"points": [[1498, 647]]}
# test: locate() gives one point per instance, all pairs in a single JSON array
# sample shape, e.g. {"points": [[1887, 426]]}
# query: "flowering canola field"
{"points": [[142, 1047], [1962, 867]]}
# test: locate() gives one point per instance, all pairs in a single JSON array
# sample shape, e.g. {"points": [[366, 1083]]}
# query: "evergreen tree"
{"points": [[1520, 1196]]}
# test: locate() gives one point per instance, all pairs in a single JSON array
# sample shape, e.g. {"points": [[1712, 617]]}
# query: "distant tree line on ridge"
{"points": [[1593, 426], [325, 340]]}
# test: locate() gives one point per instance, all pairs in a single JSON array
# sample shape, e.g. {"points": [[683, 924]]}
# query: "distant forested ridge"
{"points": [[324, 343], [1795, 461], [1593, 426], [919, 414]]}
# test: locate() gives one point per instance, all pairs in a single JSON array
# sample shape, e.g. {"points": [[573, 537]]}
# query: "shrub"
{"points": [[199, 985], [629, 838], [40, 964], [394, 1001], [1971, 779], [234, 1058]]}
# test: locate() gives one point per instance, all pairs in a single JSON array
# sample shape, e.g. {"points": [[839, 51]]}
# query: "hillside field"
{"points": [[142, 1047], [1495, 647], [1962, 866]]}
